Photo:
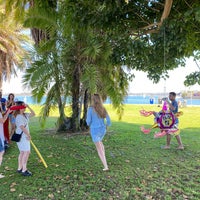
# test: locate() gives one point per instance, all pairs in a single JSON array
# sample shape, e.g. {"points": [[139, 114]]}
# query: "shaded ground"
{"points": [[139, 168]]}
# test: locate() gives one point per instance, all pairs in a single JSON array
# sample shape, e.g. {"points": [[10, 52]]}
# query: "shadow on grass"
{"points": [[139, 168]]}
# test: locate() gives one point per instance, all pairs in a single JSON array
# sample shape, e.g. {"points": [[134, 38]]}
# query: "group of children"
{"points": [[96, 116], [18, 123]]}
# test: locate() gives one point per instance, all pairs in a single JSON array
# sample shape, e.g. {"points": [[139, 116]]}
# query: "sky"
{"points": [[175, 82], [140, 84]]}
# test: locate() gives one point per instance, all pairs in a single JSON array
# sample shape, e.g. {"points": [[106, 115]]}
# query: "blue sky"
{"points": [[141, 84]]}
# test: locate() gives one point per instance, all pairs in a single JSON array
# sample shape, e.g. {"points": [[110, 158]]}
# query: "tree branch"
{"points": [[188, 4], [154, 27]]}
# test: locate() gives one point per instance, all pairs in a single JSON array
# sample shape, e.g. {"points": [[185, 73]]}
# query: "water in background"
{"points": [[132, 99]]}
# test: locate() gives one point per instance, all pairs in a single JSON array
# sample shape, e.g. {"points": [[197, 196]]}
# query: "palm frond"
{"points": [[90, 78], [50, 103], [12, 51]]}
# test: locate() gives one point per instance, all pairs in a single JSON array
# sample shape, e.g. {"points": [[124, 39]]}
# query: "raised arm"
{"points": [[32, 114], [3, 119]]}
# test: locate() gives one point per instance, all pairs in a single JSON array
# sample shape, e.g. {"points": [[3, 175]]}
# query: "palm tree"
{"points": [[12, 40], [74, 61], [44, 77], [84, 52]]}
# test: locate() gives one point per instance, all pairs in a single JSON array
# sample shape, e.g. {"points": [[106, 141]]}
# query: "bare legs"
{"points": [[12, 128], [180, 144], [168, 141], [22, 160], [1, 158], [101, 153], [178, 138]]}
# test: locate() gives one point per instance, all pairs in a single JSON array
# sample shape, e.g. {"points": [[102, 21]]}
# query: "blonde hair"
{"points": [[98, 106]]}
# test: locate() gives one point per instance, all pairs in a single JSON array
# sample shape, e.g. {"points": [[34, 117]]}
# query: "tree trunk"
{"points": [[85, 107], [61, 121], [75, 99], [39, 35]]}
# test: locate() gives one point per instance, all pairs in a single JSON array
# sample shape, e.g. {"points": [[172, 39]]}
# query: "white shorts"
{"points": [[24, 144]]}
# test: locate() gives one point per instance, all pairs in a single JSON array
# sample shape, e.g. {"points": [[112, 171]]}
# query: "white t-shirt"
{"points": [[22, 120]]}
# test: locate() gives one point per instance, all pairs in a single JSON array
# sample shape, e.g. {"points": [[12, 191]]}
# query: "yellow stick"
{"points": [[39, 154]]}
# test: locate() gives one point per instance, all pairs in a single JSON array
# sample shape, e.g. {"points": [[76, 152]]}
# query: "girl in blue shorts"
{"points": [[96, 116]]}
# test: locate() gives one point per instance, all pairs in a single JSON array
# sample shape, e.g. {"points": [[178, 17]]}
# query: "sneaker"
{"points": [[26, 173], [19, 171]]}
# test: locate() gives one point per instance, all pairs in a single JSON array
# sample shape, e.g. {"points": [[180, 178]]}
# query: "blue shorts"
{"points": [[1, 146], [12, 118], [98, 134]]}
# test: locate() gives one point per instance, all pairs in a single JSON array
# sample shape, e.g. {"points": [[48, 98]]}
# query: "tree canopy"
{"points": [[12, 42], [92, 46]]}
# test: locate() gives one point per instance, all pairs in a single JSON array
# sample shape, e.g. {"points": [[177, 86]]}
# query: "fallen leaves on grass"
{"points": [[12, 189], [51, 196]]}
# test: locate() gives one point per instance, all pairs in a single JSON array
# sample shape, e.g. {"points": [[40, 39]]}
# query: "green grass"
{"points": [[139, 168]]}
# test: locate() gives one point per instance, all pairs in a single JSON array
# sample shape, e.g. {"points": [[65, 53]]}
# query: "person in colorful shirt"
{"points": [[173, 106]]}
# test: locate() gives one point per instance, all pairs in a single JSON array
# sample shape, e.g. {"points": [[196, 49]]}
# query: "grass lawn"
{"points": [[139, 168]]}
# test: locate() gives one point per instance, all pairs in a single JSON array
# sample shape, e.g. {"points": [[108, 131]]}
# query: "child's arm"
{"points": [[89, 116], [25, 131], [32, 114], [108, 121], [4, 118]]}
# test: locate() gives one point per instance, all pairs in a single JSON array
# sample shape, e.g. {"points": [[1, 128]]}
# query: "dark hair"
{"points": [[19, 103], [10, 95], [173, 94]]}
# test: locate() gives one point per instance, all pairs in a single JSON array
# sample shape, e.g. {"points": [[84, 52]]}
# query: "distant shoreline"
{"points": [[152, 95]]}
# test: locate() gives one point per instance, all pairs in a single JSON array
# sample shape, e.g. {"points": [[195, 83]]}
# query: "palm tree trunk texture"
{"points": [[75, 98], [61, 119], [85, 107]]}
